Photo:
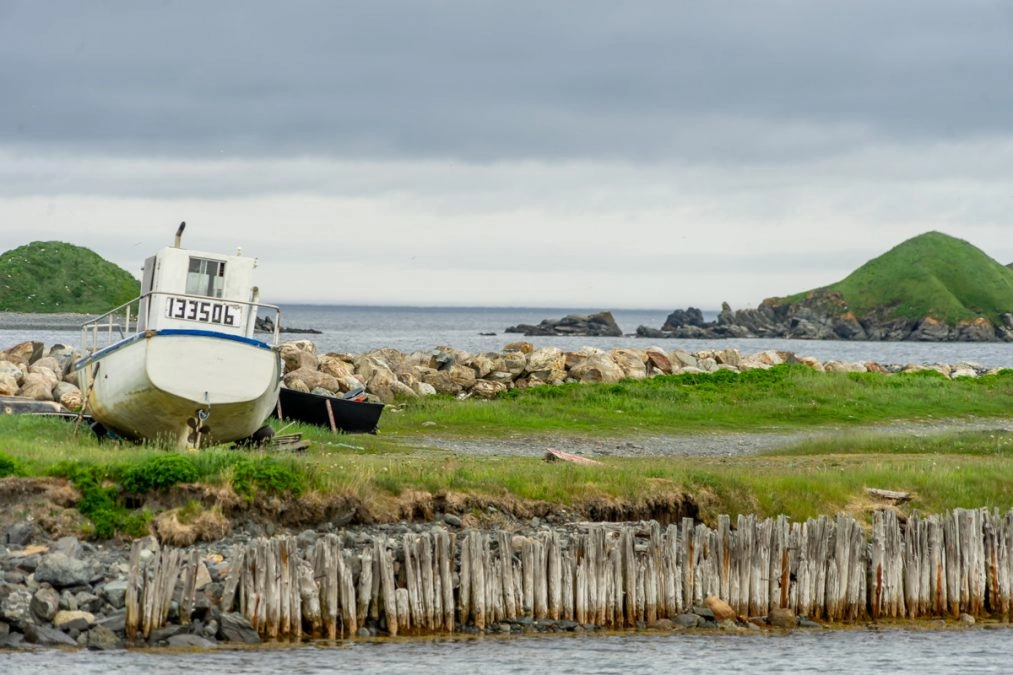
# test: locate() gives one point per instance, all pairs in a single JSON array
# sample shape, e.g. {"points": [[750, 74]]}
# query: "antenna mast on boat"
{"points": [[179, 233]]}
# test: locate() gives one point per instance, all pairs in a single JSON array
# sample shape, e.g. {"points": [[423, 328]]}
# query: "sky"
{"points": [[585, 154]]}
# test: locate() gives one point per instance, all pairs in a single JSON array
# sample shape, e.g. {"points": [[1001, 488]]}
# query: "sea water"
{"points": [[358, 329], [861, 650]]}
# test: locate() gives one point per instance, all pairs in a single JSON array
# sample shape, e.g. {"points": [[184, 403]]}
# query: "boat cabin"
{"points": [[185, 289]]}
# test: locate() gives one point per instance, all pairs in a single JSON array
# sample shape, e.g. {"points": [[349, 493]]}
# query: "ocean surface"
{"points": [[922, 652], [357, 329]]}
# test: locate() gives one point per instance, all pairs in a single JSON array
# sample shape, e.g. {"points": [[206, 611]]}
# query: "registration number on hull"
{"points": [[203, 311]]}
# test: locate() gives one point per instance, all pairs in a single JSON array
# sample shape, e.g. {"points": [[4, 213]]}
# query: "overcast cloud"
{"points": [[581, 154]]}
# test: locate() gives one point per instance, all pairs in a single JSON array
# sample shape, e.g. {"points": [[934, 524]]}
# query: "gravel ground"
{"points": [[707, 444]]}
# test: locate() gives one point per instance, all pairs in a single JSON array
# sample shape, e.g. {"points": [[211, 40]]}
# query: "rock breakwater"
{"points": [[32, 371]]}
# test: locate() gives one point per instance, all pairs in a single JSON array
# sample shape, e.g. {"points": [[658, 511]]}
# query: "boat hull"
{"points": [[166, 385], [328, 411]]}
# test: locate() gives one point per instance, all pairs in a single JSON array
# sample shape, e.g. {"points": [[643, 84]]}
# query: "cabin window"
{"points": [[205, 277]]}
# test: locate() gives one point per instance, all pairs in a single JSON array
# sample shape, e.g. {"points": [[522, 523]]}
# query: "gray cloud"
{"points": [[483, 81]]}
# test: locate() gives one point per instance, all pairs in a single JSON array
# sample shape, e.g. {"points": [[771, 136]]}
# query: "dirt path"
{"points": [[706, 444]]}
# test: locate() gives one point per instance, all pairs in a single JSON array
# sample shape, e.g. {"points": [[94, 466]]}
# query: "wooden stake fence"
{"points": [[610, 575]]}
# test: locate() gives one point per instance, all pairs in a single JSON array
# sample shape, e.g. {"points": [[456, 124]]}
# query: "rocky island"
{"points": [[932, 288], [601, 324]]}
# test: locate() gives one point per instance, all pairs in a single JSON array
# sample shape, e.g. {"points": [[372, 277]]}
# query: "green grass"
{"points": [[824, 475], [782, 398], [52, 276]]}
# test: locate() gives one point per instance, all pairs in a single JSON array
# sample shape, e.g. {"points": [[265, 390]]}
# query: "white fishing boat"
{"points": [[180, 364]]}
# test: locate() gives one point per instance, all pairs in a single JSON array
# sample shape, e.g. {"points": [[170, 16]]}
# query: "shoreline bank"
{"points": [[439, 579]]}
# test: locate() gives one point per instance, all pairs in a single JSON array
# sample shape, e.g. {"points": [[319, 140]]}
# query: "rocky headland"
{"points": [[824, 316]]}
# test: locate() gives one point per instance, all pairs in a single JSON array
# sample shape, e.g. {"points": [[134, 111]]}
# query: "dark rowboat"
{"points": [[17, 405], [338, 414]]}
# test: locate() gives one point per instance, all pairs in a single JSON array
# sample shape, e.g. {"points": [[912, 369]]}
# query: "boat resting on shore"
{"points": [[180, 363], [339, 414]]}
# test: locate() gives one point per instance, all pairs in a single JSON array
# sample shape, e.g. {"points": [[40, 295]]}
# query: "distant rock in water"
{"points": [[266, 325], [601, 324], [823, 316]]}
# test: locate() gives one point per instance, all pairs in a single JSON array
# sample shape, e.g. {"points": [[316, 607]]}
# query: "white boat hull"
{"points": [[165, 385]]}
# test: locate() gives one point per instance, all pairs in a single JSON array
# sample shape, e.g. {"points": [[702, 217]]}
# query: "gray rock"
{"points": [[804, 622], [780, 617], [46, 635], [20, 534], [236, 628], [89, 602], [687, 620], [704, 612], [306, 538], [15, 607], [452, 520], [101, 638], [69, 546], [60, 571], [116, 622], [45, 604], [70, 620], [163, 633], [188, 640], [115, 592]]}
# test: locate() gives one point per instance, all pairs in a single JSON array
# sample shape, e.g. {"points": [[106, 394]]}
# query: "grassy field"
{"points": [[404, 462]]}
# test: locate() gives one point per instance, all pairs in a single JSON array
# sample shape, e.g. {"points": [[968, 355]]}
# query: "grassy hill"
{"points": [[932, 275], [51, 276]]}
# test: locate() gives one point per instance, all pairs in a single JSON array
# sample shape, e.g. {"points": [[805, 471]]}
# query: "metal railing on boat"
{"points": [[121, 321]]}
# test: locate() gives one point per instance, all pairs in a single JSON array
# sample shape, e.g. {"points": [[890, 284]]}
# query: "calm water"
{"points": [[851, 651], [359, 329]]}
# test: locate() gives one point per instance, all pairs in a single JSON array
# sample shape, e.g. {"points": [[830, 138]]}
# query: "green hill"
{"points": [[51, 276], [932, 275]]}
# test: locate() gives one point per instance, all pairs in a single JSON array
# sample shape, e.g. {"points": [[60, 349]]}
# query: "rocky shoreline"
{"points": [[71, 594], [823, 316], [31, 370]]}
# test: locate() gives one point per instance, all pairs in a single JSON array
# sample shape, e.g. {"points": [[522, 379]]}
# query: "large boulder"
{"points": [[297, 356], [308, 379], [234, 627], [547, 365], [61, 571], [8, 384], [37, 387], [782, 617], [24, 353], [632, 362], [487, 389], [68, 395], [45, 604], [721, 609], [597, 367], [336, 365]]}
